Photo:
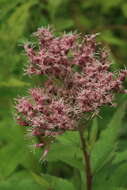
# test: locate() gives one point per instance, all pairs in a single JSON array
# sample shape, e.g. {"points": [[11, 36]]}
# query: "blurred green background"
{"points": [[19, 167]]}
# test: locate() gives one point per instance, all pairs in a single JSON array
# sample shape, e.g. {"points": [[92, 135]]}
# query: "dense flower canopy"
{"points": [[79, 81]]}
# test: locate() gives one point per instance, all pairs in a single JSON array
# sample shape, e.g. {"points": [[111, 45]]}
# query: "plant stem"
{"points": [[86, 156]]}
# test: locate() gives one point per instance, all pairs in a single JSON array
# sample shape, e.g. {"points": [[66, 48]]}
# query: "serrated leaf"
{"points": [[104, 147]]}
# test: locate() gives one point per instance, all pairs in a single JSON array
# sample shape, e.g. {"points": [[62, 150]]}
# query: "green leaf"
{"points": [[104, 175], [118, 176], [120, 156], [19, 20], [105, 145], [70, 138], [124, 9], [9, 159], [118, 188], [40, 180], [66, 153], [11, 32], [53, 6], [104, 187], [22, 181], [14, 151], [68, 146], [62, 24], [83, 180], [93, 133], [13, 155], [109, 37], [57, 183], [111, 178], [108, 4], [6, 8], [13, 82], [16, 23]]}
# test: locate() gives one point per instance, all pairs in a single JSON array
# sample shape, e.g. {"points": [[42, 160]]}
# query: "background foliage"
{"points": [[63, 168]]}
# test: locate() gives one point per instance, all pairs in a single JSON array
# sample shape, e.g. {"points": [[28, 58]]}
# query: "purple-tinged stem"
{"points": [[86, 155]]}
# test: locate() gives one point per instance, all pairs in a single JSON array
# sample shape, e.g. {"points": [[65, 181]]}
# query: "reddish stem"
{"points": [[86, 155]]}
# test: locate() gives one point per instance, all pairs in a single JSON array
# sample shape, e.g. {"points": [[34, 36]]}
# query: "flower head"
{"points": [[79, 82]]}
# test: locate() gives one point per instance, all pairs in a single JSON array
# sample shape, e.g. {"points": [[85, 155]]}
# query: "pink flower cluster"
{"points": [[79, 82], [45, 116]]}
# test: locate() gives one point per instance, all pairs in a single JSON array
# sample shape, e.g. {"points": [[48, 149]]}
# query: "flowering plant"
{"points": [[78, 83]]}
